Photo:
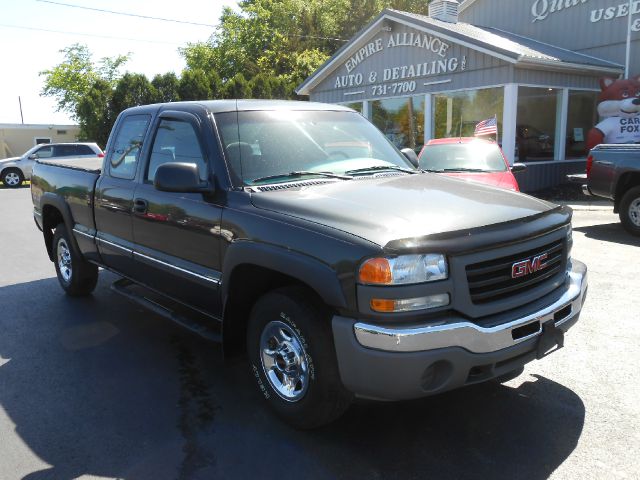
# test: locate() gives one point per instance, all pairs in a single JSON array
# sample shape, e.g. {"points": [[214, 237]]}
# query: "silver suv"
{"points": [[15, 170]]}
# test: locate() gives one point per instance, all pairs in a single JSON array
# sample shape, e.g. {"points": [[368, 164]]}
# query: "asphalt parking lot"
{"points": [[97, 387]]}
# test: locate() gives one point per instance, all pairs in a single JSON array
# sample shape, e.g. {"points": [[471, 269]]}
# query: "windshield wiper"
{"points": [[382, 167], [302, 173]]}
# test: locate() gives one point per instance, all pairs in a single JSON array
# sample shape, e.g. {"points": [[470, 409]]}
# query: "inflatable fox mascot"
{"points": [[619, 109]]}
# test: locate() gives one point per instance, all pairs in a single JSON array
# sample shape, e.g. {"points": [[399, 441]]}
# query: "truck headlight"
{"points": [[404, 270]]}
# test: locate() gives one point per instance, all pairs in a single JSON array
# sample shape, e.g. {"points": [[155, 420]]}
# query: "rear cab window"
{"points": [[124, 155]]}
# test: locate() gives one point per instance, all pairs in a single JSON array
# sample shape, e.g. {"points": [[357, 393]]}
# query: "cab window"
{"points": [[124, 155], [176, 141]]}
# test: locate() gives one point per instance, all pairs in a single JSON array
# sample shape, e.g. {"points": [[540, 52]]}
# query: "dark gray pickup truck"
{"points": [[613, 172], [298, 234]]}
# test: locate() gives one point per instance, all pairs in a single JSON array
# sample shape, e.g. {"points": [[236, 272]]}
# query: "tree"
{"points": [[261, 86], [71, 80], [133, 89], [237, 87], [96, 114], [166, 88], [194, 85], [216, 87], [289, 38]]}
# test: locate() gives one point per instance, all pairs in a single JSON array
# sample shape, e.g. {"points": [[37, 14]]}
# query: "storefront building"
{"points": [[534, 64]]}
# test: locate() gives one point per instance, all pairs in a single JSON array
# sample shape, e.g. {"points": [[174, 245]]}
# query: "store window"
{"points": [[536, 124], [357, 106], [401, 120], [581, 117], [457, 114]]}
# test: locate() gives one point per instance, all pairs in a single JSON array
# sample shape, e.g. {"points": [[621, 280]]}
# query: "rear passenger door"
{"points": [[114, 194], [177, 235]]}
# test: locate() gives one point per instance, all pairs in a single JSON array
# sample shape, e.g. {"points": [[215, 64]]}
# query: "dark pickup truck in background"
{"points": [[613, 172], [298, 234]]}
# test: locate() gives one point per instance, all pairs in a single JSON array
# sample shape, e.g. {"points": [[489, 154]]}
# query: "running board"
{"points": [[120, 287]]}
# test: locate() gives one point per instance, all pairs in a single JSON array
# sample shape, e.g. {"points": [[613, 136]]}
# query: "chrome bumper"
{"points": [[459, 332]]}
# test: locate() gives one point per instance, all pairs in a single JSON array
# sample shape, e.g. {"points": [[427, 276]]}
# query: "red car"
{"points": [[472, 159]]}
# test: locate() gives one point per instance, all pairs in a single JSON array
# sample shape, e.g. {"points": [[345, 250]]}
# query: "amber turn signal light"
{"points": [[376, 271]]}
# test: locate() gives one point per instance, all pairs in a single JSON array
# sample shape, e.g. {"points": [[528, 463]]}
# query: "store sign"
{"points": [[543, 9], [403, 77]]}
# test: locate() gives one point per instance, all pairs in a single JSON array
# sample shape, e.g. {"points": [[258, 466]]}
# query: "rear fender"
{"points": [[52, 200]]}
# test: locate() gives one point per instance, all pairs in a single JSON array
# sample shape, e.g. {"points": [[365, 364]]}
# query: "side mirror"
{"points": [[411, 156], [180, 177], [518, 167], [33, 156]]}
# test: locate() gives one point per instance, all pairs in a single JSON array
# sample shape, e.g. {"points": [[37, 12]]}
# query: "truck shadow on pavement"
{"points": [[98, 386], [609, 232]]}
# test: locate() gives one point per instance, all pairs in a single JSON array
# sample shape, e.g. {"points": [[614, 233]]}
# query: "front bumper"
{"points": [[408, 362]]}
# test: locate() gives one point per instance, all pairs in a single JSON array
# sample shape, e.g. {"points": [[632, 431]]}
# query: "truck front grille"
{"points": [[492, 280]]}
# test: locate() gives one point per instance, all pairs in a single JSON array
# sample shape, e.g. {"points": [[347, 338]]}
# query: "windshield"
{"points": [[485, 157], [281, 145]]}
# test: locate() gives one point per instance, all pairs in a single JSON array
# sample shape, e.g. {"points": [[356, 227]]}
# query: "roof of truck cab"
{"points": [[220, 106]]}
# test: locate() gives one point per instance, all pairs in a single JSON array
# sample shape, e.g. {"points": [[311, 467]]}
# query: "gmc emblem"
{"points": [[529, 266]]}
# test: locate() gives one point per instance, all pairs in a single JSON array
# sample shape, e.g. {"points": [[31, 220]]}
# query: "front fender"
{"points": [[317, 275]]}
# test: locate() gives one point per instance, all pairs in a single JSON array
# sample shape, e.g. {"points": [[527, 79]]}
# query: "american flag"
{"points": [[487, 127]]}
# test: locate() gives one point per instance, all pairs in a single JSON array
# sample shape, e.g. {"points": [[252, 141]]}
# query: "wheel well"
{"points": [[247, 284], [627, 181], [51, 217]]}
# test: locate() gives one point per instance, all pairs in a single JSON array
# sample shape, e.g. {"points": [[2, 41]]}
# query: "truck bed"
{"points": [[93, 164], [74, 181]]}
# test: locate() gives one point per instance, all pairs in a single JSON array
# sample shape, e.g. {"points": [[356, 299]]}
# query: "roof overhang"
{"points": [[507, 56]]}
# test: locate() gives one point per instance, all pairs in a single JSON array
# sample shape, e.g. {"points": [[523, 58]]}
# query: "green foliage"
{"points": [[237, 87], [95, 113], [166, 88], [132, 90], [72, 79], [261, 86], [194, 85]]}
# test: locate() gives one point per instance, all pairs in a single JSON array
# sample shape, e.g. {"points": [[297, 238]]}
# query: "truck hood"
{"points": [[390, 208]]}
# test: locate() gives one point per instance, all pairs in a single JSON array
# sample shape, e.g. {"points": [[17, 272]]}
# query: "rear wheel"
{"points": [[293, 358], [630, 211], [76, 276], [12, 177]]}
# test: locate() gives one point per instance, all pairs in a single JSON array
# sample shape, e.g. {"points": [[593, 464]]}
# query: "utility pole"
{"points": [[21, 116]]}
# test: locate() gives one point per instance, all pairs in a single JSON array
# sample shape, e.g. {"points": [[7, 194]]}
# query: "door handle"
{"points": [[140, 205], [602, 162]]}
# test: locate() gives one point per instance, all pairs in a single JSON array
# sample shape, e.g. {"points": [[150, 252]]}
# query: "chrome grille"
{"points": [[492, 280]]}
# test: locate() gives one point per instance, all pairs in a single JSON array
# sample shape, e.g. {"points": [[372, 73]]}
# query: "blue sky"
{"points": [[25, 52]]}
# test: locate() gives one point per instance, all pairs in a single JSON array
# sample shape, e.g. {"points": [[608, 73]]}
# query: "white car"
{"points": [[15, 170]]}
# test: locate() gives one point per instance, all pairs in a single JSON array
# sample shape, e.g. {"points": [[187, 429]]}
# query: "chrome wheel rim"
{"points": [[12, 179], [634, 212], [64, 260], [284, 361]]}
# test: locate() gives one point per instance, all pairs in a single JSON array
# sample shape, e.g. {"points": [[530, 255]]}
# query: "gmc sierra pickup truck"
{"points": [[613, 172], [297, 234]]}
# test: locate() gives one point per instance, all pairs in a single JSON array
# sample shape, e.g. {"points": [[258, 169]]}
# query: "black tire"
{"points": [[630, 211], [12, 177], [76, 276], [293, 311]]}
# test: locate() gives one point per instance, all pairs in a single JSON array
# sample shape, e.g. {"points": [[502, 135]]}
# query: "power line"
{"points": [[88, 34], [146, 17]]}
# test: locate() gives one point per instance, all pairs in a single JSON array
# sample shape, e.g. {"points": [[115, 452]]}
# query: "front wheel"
{"points": [[293, 358], [12, 177], [630, 211], [76, 276]]}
